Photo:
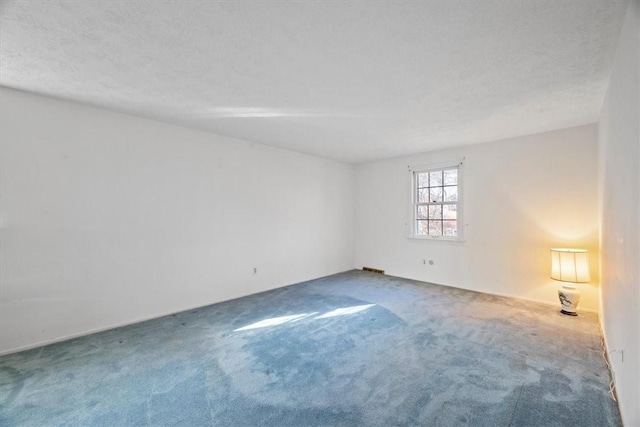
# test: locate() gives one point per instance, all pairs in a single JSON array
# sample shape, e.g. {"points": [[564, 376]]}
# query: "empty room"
{"points": [[320, 213]]}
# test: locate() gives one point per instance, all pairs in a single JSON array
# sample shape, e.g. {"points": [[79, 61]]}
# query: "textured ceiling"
{"points": [[348, 80]]}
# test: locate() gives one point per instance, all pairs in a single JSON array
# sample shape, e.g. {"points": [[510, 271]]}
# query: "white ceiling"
{"points": [[347, 80]]}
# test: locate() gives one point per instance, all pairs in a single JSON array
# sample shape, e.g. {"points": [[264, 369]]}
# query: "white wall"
{"points": [[619, 133], [107, 219], [522, 196]]}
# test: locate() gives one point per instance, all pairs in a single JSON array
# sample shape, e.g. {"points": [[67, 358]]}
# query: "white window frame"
{"points": [[413, 226]]}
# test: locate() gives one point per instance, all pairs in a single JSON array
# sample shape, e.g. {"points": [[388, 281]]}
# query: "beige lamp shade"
{"points": [[570, 265]]}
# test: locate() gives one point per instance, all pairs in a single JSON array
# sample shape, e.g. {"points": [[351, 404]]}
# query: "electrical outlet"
{"points": [[255, 270]]}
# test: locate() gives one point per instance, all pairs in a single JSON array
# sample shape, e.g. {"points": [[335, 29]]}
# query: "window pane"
{"points": [[450, 228], [451, 177], [435, 194], [450, 194], [423, 179], [435, 228], [422, 212], [423, 228], [436, 202], [450, 212], [435, 178], [435, 212]]}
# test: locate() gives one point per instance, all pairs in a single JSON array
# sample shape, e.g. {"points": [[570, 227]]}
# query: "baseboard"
{"points": [[549, 303], [607, 355], [143, 319], [539, 301], [101, 329]]}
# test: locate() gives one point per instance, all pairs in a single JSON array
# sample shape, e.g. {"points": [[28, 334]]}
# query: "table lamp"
{"points": [[569, 266]]}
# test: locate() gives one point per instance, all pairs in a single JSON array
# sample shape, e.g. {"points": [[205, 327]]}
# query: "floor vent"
{"points": [[373, 270]]}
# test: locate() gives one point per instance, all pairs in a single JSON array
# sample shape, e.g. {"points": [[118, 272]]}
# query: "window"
{"points": [[436, 203]]}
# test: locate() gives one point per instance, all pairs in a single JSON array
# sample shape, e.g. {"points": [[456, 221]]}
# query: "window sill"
{"points": [[454, 240]]}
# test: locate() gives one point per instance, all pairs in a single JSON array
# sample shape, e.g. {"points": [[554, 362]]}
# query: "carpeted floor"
{"points": [[353, 349]]}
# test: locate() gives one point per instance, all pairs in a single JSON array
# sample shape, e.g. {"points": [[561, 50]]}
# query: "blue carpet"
{"points": [[353, 349]]}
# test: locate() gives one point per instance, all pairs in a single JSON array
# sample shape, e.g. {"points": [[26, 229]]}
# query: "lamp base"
{"points": [[569, 296], [569, 313]]}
